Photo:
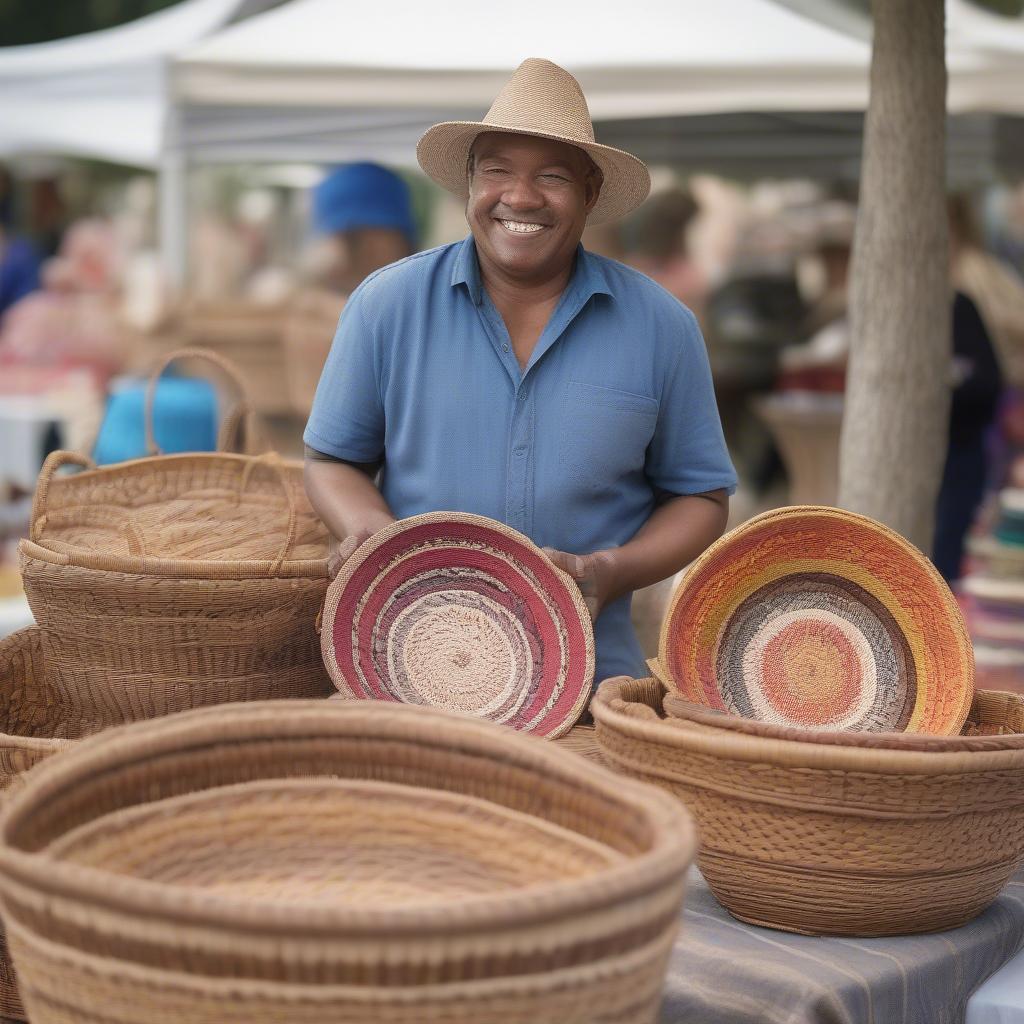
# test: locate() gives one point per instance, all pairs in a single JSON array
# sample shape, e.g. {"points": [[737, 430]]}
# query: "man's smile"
{"points": [[519, 227]]}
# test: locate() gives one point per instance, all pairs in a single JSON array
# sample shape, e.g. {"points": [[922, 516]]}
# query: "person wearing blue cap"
{"points": [[368, 209]]}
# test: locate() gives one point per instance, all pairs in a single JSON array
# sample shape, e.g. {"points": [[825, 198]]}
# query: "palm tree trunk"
{"points": [[896, 421]]}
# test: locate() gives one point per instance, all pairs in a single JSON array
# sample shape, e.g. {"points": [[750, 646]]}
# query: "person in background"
{"points": [[655, 244], [19, 269], [366, 211], [363, 215], [977, 387]]}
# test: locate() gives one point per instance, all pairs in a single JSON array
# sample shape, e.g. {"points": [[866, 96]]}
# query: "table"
{"points": [[725, 972]]}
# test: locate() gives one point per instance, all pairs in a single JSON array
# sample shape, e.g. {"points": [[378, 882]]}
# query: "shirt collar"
{"points": [[588, 278]]}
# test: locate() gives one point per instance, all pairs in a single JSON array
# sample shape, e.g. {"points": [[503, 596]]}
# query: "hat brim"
{"points": [[443, 153]]}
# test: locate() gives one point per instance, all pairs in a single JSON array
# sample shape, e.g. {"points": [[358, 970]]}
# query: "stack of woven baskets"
{"points": [[327, 862], [797, 628], [159, 585]]}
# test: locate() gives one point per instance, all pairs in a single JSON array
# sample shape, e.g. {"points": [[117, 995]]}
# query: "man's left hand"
{"points": [[594, 575]]}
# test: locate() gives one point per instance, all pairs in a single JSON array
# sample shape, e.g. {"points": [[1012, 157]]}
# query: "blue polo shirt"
{"points": [[615, 408]]}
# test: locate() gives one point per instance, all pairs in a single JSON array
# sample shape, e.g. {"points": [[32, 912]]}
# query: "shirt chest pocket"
{"points": [[604, 434]]}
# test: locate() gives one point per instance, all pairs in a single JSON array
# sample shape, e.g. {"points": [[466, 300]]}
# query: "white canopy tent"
{"points": [[102, 94], [732, 81]]}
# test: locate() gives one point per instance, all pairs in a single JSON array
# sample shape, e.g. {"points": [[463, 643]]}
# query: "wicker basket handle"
{"points": [[230, 428], [53, 462], [273, 462]]}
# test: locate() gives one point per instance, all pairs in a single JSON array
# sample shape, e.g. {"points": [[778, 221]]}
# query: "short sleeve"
{"points": [[688, 454], [347, 418]]}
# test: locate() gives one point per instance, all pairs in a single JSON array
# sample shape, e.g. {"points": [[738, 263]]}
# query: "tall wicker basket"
{"points": [[332, 861], [138, 622], [854, 835]]}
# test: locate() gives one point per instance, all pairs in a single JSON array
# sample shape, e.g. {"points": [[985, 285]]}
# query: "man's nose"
{"points": [[522, 193]]}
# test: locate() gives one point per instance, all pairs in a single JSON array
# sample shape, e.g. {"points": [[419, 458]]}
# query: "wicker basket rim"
{"points": [[738, 746], [173, 567], [348, 570], [673, 847], [176, 568], [826, 512]]}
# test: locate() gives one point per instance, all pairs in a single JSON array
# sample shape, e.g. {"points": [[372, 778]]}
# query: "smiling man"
{"points": [[518, 376]]}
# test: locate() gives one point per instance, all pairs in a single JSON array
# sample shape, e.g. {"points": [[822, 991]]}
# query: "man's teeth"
{"points": [[522, 229]]}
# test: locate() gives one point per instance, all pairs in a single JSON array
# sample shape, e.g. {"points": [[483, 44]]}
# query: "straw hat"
{"points": [[543, 100]]}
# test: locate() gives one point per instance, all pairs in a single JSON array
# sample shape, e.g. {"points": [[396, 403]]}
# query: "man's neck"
{"points": [[513, 294], [524, 305]]}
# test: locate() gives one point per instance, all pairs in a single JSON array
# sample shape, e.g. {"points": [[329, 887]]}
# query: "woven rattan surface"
{"points": [[209, 595], [829, 838], [604, 883], [33, 726], [461, 612], [819, 618], [73, 987], [357, 843]]}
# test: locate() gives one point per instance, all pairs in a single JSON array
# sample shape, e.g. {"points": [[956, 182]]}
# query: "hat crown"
{"points": [[542, 97]]}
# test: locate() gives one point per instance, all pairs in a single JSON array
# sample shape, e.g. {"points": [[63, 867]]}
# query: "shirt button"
{"points": [[504, 348], [520, 451], [522, 397]]}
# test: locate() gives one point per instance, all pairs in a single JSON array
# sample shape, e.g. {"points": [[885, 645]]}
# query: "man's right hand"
{"points": [[340, 551]]}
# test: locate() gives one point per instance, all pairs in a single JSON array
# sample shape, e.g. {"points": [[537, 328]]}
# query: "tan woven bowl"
{"points": [[325, 846], [177, 581], [33, 725], [831, 838]]}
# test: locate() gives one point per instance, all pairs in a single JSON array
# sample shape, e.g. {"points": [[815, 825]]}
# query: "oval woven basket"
{"points": [[33, 726], [819, 618], [459, 611], [172, 582], [232, 842], [831, 838]]}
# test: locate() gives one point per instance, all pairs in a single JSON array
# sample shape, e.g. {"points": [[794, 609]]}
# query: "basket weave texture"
{"points": [[835, 837], [499, 878], [308, 334], [33, 725], [823, 619], [461, 612], [172, 582]]}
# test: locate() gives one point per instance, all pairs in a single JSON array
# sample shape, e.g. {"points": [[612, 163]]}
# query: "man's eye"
{"points": [[554, 177]]}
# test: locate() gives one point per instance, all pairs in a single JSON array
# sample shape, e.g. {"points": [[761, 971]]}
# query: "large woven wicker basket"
{"points": [[33, 725], [338, 862], [143, 579], [308, 333], [843, 838]]}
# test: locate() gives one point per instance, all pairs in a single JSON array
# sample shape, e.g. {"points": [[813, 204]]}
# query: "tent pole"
{"points": [[173, 192]]}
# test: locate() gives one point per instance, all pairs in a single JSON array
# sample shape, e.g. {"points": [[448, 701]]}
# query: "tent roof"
{"points": [[648, 57], [101, 94], [322, 80]]}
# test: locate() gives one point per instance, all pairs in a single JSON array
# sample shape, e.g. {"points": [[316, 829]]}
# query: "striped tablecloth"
{"points": [[726, 972]]}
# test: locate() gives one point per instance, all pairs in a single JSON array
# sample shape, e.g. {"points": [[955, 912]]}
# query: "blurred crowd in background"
{"points": [[85, 309]]}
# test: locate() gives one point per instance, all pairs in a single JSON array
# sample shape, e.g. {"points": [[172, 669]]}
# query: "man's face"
{"points": [[528, 203]]}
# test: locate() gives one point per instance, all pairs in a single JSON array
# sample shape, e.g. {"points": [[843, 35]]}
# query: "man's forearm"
{"points": [[346, 498], [674, 536]]}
